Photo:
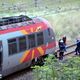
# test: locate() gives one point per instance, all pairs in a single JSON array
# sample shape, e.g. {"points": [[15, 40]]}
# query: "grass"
{"points": [[65, 23], [14, 6]]}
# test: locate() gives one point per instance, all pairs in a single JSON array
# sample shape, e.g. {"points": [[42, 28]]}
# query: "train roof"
{"points": [[13, 20], [7, 22], [21, 23]]}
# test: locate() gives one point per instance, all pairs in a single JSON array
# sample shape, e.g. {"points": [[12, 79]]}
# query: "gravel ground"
{"points": [[25, 74]]}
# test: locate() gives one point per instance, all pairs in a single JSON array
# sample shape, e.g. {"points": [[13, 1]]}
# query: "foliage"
{"points": [[54, 69]]}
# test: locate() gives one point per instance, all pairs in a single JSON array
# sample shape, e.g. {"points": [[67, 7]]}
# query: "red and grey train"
{"points": [[22, 40]]}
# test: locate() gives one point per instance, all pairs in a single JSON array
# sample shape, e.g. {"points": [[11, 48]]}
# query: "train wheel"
{"points": [[40, 61]]}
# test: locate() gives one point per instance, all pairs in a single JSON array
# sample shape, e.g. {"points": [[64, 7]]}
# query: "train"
{"points": [[24, 39]]}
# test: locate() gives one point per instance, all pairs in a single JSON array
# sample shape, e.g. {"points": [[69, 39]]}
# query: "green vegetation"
{"points": [[58, 70]]}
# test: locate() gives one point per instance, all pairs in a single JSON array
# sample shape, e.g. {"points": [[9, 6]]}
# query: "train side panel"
{"points": [[11, 63]]}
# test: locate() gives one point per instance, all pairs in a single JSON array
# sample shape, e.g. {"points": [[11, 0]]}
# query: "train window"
{"points": [[19, 19], [22, 43], [0, 46], [0, 54], [40, 39], [31, 40], [1, 23], [12, 45], [49, 32]]}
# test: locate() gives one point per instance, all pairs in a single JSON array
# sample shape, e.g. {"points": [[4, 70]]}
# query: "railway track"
{"points": [[27, 74], [70, 51]]}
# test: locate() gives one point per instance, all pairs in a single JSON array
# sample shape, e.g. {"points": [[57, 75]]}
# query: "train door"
{"points": [[0, 54]]}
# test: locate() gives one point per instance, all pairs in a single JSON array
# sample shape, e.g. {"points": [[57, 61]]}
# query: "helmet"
{"points": [[61, 40], [78, 40]]}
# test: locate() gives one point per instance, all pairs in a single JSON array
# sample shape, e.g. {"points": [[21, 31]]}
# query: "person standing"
{"points": [[64, 40], [61, 49], [77, 50]]}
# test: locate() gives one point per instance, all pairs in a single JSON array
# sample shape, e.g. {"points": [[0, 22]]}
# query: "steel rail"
{"points": [[68, 47]]}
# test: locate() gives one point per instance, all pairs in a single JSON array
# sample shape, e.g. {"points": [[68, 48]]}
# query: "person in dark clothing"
{"points": [[64, 39], [61, 49], [77, 50]]}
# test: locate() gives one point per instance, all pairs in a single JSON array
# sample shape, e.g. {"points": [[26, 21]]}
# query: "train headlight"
{"points": [[47, 44], [52, 38], [0, 76]]}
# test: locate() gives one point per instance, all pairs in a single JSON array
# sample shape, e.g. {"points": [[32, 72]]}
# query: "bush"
{"points": [[54, 69]]}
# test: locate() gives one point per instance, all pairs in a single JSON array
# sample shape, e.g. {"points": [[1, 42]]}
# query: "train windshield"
{"points": [[0, 54]]}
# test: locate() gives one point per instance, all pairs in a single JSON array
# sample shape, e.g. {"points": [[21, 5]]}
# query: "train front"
{"points": [[49, 35]]}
